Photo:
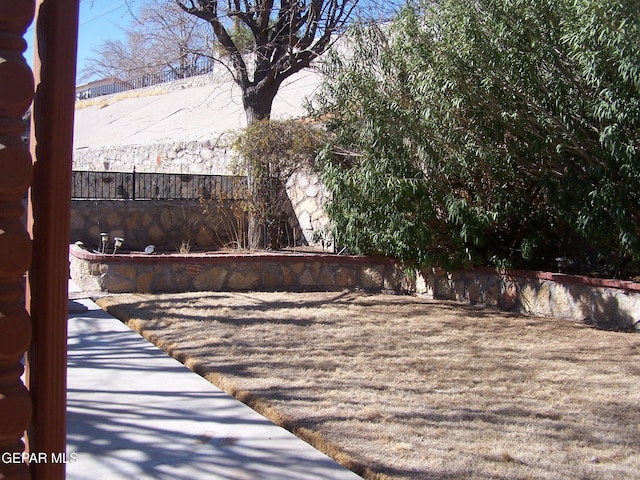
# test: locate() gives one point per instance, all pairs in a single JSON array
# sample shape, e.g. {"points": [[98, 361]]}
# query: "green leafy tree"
{"points": [[489, 131], [603, 39]]}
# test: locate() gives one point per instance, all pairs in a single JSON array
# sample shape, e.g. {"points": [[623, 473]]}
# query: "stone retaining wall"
{"points": [[607, 303], [223, 272], [306, 213], [204, 156], [166, 224], [211, 154], [308, 196]]}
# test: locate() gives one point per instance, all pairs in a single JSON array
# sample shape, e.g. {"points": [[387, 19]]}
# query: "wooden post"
{"points": [[49, 220], [16, 93]]}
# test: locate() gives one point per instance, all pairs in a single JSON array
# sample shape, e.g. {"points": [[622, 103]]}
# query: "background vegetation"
{"points": [[501, 132], [270, 152], [160, 38]]}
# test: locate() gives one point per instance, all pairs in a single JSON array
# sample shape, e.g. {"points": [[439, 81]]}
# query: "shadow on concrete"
{"points": [[134, 412]]}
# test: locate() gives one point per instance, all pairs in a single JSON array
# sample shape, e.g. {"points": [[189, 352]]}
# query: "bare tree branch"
{"points": [[160, 38], [287, 35]]}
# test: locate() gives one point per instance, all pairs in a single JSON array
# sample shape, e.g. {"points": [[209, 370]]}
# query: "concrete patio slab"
{"points": [[136, 413]]}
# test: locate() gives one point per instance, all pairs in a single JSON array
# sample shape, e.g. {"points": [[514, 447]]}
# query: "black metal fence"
{"points": [[155, 186], [199, 67]]}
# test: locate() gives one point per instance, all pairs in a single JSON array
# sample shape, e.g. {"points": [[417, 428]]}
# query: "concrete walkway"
{"points": [[136, 413]]}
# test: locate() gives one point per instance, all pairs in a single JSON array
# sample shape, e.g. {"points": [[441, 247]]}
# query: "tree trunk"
{"points": [[257, 104]]}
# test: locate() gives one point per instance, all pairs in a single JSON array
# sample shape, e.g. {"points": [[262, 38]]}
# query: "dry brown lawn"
{"points": [[403, 387]]}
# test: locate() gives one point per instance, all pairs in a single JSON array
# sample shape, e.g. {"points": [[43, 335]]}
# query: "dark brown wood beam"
{"points": [[49, 220]]}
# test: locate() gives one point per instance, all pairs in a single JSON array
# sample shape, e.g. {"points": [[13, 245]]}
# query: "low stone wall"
{"points": [[204, 156], [181, 219], [166, 224], [607, 303], [224, 272]]}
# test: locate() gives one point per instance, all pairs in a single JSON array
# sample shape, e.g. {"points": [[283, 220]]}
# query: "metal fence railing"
{"points": [[155, 186], [199, 67]]}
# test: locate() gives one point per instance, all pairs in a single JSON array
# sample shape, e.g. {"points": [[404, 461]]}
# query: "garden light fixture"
{"points": [[104, 239], [118, 241]]}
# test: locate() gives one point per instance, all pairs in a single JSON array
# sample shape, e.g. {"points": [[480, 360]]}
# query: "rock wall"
{"points": [[166, 224], [184, 147], [308, 196], [210, 157], [224, 272], [607, 303]]}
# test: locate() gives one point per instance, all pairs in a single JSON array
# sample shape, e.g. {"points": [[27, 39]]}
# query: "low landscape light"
{"points": [[104, 240], [118, 241]]}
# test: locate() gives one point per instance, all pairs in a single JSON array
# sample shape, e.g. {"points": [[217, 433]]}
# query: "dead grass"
{"points": [[402, 387], [106, 100]]}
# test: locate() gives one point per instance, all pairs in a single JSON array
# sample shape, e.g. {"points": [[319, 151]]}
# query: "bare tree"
{"points": [[261, 42], [287, 35], [160, 38]]}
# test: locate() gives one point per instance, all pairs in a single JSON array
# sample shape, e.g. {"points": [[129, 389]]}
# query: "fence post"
{"points": [[133, 184]]}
